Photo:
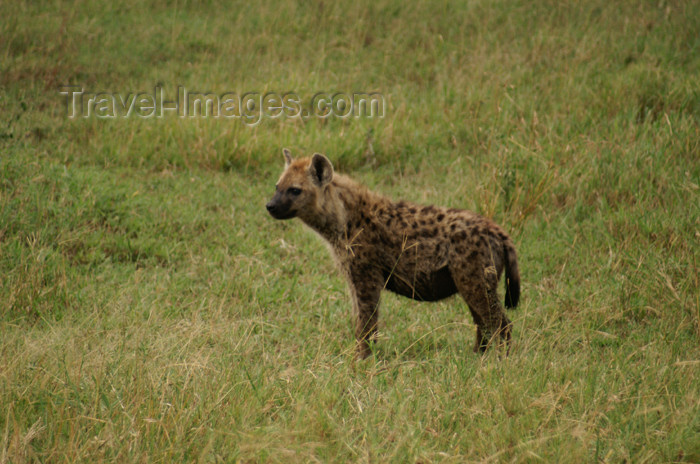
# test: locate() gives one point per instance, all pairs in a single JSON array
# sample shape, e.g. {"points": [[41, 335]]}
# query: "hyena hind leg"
{"points": [[478, 289]]}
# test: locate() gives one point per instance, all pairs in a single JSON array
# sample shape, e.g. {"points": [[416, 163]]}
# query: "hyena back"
{"points": [[422, 252]]}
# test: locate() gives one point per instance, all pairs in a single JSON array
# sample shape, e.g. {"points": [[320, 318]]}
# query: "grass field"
{"points": [[151, 310]]}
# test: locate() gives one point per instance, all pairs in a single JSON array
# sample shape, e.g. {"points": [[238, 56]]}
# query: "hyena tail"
{"points": [[512, 279]]}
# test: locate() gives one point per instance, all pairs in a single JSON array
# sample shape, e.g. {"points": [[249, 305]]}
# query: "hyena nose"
{"points": [[271, 207]]}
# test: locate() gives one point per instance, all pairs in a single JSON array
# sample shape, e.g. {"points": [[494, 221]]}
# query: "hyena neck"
{"points": [[341, 203]]}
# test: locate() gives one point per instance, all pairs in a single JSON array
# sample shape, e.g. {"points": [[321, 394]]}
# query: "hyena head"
{"points": [[299, 191]]}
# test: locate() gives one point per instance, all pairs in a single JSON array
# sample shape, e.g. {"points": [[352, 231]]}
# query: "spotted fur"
{"points": [[422, 252]]}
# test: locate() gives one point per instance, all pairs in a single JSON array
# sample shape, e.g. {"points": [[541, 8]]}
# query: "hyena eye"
{"points": [[294, 191]]}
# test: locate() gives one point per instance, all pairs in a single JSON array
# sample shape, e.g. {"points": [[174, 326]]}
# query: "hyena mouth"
{"points": [[279, 213]]}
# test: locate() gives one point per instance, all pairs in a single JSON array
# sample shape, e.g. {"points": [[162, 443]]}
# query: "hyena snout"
{"points": [[279, 209]]}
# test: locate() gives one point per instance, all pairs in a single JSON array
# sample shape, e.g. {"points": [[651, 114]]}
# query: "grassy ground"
{"points": [[151, 311]]}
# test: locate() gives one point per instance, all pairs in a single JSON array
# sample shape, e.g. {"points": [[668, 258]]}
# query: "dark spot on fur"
{"points": [[440, 217]]}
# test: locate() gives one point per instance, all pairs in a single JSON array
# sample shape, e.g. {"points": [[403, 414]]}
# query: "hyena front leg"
{"points": [[365, 291], [477, 286]]}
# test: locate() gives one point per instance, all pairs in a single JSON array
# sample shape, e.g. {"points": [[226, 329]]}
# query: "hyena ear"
{"points": [[287, 157], [321, 170]]}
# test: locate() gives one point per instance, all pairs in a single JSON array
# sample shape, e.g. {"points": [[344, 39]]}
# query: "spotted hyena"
{"points": [[422, 252]]}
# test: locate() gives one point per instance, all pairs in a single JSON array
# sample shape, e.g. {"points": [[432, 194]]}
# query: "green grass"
{"points": [[151, 311]]}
